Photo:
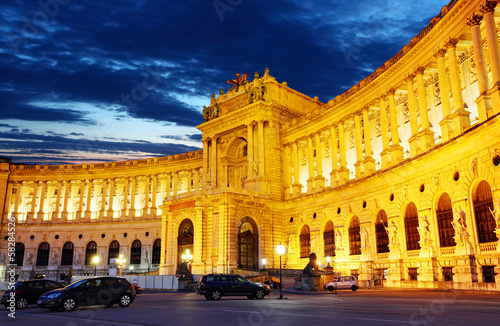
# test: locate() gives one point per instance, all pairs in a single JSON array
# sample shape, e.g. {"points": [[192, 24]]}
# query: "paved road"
{"points": [[364, 307]]}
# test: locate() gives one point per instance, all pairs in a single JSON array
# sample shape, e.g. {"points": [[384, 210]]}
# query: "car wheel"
{"points": [[125, 300], [259, 294], [331, 288], [215, 294], [354, 287], [21, 303], [69, 304]]}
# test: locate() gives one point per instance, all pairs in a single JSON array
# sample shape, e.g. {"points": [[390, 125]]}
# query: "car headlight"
{"points": [[53, 296]]}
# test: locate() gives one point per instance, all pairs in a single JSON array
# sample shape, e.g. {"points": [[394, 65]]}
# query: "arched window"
{"points": [[156, 252], [185, 240], [90, 252], [485, 221], [113, 250], [305, 242], [135, 253], [19, 252], [382, 236], [42, 256], [354, 237], [411, 227], [67, 254], [248, 244], [329, 239], [444, 214]]}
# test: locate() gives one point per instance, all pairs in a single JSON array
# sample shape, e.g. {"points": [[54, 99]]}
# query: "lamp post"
{"points": [[280, 249], [95, 260], [264, 262], [120, 261]]}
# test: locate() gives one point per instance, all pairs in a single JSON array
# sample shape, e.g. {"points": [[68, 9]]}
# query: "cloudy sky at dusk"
{"points": [[94, 81]]}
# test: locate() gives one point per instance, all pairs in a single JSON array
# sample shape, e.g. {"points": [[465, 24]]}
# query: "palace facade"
{"points": [[397, 180]]}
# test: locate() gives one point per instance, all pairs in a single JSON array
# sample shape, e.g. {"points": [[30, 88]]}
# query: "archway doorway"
{"points": [[184, 241], [248, 244]]}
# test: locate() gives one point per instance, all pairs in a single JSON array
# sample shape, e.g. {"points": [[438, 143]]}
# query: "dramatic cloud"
{"points": [[121, 79]]}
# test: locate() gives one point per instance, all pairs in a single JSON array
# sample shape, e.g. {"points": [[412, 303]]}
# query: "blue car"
{"points": [[213, 287]]}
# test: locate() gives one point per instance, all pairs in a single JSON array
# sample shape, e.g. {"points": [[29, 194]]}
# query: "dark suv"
{"points": [[213, 287], [89, 292], [27, 292]]}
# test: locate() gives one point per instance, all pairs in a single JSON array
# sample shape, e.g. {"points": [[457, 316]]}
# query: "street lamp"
{"points": [[120, 261], [187, 256], [280, 249], [95, 260], [264, 262]]}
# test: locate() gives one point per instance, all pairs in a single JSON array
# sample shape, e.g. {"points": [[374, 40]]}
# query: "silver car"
{"points": [[342, 283]]}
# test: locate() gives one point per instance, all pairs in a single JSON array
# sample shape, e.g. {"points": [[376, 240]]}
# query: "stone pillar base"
{"points": [[483, 103], [310, 186], [343, 176], [366, 275], [397, 154], [395, 274], [426, 138], [427, 273], [368, 166], [461, 121], [319, 183], [446, 129], [414, 146], [358, 169], [309, 283], [334, 181], [495, 98], [385, 159], [296, 189]]}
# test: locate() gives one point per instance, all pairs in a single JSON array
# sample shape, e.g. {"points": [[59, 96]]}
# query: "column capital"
{"points": [[358, 112], [391, 91], [440, 53], [451, 43], [474, 20], [488, 7], [206, 139], [383, 98], [365, 108], [409, 78], [419, 70], [251, 124]]}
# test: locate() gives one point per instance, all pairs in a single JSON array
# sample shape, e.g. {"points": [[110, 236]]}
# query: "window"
{"points": [[305, 242], [156, 252], [135, 252], [67, 254], [90, 252], [329, 239], [113, 250], [483, 205], [413, 273], [411, 228], [42, 256], [444, 214], [489, 274], [19, 252], [382, 236], [354, 237], [448, 274]]}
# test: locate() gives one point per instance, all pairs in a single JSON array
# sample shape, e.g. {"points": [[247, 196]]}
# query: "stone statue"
{"points": [[29, 257], [221, 92], [496, 215], [250, 95], [424, 230], [238, 81], [256, 76], [364, 238], [53, 258], [261, 91], [77, 256], [206, 113], [392, 232], [458, 223], [312, 266], [185, 273], [266, 72], [338, 238]]}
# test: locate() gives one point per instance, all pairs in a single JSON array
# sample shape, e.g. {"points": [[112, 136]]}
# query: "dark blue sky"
{"points": [[116, 80]]}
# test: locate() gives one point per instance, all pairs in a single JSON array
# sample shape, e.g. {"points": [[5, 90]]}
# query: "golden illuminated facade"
{"points": [[397, 180]]}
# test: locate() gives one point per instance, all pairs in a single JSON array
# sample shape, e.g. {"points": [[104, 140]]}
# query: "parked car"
{"points": [[28, 292], [92, 291], [342, 282], [213, 287], [137, 288]]}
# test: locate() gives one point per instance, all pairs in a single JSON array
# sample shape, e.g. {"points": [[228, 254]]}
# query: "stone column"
{"points": [[213, 163], [310, 164], [396, 149], [43, 193], [368, 162], [412, 107], [198, 266], [359, 146], [80, 204], [125, 198], [110, 212], [189, 181], [19, 187], [154, 192], [196, 180], [205, 162], [320, 179], [384, 155], [169, 182], [296, 186], [459, 116], [343, 170], [55, 214], [8, 199], [89, 200], [64, 214], [32, 213], [334, 153], [483, 101], [488, 9], [426, 136], [147, 192], [261, 148], [250, 158], [287, 170], [133, 185], [102, 211], [175, 183], [444, 91]]}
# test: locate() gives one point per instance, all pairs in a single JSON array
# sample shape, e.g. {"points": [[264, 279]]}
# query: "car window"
{"points": [[93, 283], [51, 285], [223, 278], [240, 279], [210, 279], [38, 285]]}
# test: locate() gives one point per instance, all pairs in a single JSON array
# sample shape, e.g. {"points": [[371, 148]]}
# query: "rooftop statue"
{"points": [[238, 81]]}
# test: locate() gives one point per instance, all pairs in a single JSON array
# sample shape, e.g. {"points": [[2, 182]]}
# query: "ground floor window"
{"points": [[448, 274], [489, 274], [413, 274]]}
